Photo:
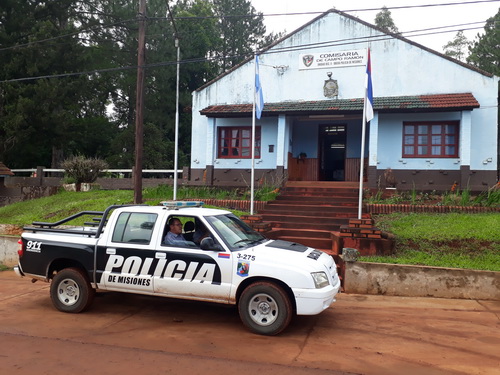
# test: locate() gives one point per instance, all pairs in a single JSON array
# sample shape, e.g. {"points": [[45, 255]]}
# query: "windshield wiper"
{"points": [[244, 240], [249, 241]]}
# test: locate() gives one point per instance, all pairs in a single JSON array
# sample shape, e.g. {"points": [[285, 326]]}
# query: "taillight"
{"points": [[20, 249]]}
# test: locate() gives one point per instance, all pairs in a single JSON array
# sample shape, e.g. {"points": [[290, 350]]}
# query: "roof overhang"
{"points": [[4, 171], [390, 104]]}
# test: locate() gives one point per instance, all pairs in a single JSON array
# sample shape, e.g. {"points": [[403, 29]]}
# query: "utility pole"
{"points": [[139, 103]]}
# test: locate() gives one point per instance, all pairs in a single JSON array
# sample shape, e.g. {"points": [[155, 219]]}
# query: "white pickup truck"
{"points": [[219, 259]]}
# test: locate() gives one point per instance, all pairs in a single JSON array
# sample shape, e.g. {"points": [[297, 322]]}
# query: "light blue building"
{"points": [[435, 118]]}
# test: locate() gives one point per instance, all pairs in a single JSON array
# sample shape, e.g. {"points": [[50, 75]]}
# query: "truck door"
{"points": [[186, 271], [127, 261]]}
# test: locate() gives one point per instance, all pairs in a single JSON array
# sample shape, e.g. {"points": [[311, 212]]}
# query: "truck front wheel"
{"points": [[71, 291], [265, 308]]}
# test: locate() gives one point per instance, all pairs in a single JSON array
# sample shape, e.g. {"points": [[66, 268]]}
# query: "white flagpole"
{"points": [[363, 132], [361, 161], [176, 152], [252, 174]]}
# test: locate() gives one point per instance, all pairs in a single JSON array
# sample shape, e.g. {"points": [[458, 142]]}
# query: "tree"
{"points": [[383, 19], [44, 119], [241, 30], [485, 54], [457, 48], [38, 117], [485, 51]]}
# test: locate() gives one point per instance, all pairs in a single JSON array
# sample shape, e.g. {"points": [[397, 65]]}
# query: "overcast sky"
{"points": [[409, 19]]}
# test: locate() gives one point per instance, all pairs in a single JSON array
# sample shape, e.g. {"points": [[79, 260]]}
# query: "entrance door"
{"points": [[332, 146]]}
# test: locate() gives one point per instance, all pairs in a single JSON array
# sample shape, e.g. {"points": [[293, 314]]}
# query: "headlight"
{"points": [[320, 279]]}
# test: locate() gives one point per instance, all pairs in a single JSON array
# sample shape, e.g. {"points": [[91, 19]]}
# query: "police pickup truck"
{"points": [[211, 256]]}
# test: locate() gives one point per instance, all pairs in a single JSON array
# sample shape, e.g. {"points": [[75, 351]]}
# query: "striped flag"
{"points": [[259, 100], [368, 90]]}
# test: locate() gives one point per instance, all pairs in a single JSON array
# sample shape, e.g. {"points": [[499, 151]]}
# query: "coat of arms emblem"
{"points": [[308, 60], [331, 87]]}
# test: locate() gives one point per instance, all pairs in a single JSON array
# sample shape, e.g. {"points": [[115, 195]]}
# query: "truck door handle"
{"points": [[111, 251], [160, 256]]}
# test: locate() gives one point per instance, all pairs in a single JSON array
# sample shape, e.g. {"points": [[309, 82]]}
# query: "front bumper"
{"points": [[314, 301]]}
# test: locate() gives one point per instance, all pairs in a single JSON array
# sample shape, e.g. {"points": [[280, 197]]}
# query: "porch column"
{"points": [[280, 142], [210, 155], [373, 152], [464, 151]]}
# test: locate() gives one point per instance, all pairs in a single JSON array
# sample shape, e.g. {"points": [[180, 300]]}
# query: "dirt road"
{"points": [[127, 334]]}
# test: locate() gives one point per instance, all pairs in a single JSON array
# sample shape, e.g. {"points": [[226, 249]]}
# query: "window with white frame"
{"points": [[235, 142]]}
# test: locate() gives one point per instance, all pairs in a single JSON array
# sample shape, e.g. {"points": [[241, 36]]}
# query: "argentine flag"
{"points": [[259, 97], [368, 90]]}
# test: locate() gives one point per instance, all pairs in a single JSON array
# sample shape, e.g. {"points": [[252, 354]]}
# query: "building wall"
{"points": [[390, 137], [398, 68]]}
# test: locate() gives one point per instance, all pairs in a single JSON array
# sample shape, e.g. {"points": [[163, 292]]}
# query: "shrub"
{"points": [[83, 170]]}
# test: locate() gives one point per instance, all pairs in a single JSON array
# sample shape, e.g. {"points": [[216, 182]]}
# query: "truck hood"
{"points": [[293, 253]]}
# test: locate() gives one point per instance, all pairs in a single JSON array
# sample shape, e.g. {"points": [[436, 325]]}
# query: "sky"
{"points": [[406, 20]]}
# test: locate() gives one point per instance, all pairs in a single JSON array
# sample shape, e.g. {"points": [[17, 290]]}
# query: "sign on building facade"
{"points": [[333, 59]]}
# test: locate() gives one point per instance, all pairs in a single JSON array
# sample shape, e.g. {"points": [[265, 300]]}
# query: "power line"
{"points": [[171, 16], [194, 18], [331, 43], [93, 28]]}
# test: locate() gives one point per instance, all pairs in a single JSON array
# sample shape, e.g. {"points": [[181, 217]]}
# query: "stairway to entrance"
{"points": [[308, 212]]}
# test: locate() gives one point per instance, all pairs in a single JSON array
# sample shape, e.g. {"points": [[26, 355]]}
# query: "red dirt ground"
{"points": [[150, 335]]}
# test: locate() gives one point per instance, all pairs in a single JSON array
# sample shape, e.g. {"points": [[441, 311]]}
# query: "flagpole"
{"points": [[252, 173], [368, 96], [361, 162], [176, 142]]}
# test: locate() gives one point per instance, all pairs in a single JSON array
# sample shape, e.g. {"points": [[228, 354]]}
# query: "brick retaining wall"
{"points": [[234, 204], [390, 208]]}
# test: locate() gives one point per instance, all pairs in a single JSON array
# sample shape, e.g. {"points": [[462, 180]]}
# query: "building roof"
{"points": [[4, 171], [416, 103], [382, 37]]}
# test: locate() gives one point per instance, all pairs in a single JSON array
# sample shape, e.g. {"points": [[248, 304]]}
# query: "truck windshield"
{"points": [[235, 233]]}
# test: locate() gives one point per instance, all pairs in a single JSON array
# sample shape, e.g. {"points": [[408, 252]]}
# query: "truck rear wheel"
{"points": [[265, 308], [71, 291]]}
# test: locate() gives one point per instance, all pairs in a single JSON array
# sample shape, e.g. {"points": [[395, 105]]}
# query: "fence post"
{"points": [[39, 176], [186, 174]]}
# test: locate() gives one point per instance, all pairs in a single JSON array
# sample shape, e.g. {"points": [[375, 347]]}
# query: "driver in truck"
{"points": [[174, 235]]}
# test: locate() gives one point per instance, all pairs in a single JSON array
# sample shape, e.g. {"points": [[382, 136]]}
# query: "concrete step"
{"points": [[307, 212], [313, 201], [305, 233], [319, 210], [304, 218], [317, 243], [305, 223], [319, 191], [319, 197]]}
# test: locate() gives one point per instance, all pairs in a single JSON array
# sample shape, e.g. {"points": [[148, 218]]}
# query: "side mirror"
{"points": [[209, 244]]}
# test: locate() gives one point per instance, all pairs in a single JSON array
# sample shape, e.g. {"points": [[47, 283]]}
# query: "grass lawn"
{"points": [[443, 240], [67, 203]]}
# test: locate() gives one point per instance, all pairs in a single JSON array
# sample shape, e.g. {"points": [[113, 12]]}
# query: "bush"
{"points": [[83, 170]]}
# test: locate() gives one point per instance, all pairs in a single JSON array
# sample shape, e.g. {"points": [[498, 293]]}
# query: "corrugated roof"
{"points": [[416, 103], [4, 171]]}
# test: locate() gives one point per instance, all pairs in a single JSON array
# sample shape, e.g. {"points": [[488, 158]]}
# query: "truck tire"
{"points": [[70, 291], [265, 308]]}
